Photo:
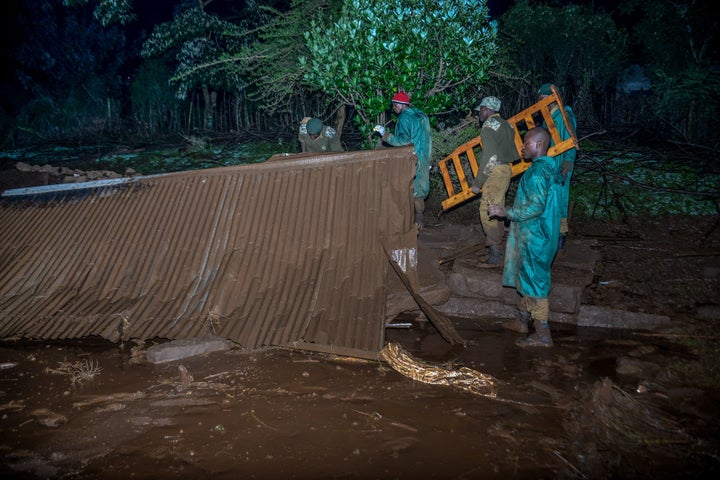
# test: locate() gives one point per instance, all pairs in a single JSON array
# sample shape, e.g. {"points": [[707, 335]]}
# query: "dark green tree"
{"points": [[155, 107], [70, 66], [436, 51], [278, 84], [204, 47], [571, 46], [679, 43], [107, 12]]}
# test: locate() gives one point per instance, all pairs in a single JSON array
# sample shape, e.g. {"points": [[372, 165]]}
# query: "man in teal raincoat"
{"points": [[413, 127], [533, 239], [566, 160]]}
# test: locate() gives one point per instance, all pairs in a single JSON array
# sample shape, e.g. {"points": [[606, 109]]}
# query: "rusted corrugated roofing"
{"points": [[284, 253]]}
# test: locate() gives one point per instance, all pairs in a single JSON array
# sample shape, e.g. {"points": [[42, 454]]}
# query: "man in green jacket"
{"points": [[494, 171], [412, 127], [565, 161], [533, 238], [318, 138]]}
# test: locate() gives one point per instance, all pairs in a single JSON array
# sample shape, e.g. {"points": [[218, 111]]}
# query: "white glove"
{"points": [[379, 129], [303, 124]]}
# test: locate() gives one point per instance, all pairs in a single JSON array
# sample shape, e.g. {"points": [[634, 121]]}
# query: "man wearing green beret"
{"points": [[566, 160], [494, 172], [318, 138]]}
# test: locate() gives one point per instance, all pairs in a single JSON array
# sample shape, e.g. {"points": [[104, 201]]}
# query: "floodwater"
{"points": [[276, 413]]}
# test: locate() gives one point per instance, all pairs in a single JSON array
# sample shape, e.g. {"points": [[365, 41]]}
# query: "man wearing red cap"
{"points": [[413, 126]]}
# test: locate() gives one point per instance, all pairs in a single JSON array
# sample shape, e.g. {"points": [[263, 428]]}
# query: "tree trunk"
{"points": [[340, 119]]}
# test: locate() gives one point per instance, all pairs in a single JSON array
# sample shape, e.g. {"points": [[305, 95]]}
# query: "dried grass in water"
{"points": [[79, 372], [463, 377], [615, 432]]}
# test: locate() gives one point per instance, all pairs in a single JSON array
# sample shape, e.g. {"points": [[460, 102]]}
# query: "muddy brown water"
{"points": [[277, 413], [601, 404]]}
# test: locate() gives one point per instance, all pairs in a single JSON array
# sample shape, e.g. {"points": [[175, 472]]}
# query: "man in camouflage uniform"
{"points": [[494, 172], [318, 138]]}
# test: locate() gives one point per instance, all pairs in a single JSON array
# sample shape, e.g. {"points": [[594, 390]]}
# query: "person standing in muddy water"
{"points": [[533, 238], [565, 160], [494, 171], [412, 127], [318, 138]]}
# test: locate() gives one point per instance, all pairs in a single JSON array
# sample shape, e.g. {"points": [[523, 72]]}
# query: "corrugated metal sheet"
{"points": [[284, 253]]}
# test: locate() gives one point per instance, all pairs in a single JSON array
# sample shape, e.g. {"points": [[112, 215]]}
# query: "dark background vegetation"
{"points": [[68, 78], [103, 76]]}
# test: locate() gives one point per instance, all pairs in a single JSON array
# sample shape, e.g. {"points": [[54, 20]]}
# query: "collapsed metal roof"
{"points": [[284, 253]]}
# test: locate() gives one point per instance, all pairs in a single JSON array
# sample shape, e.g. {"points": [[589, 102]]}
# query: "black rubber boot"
{"points": [[495, 256], [520, 324], [541, 337], [419, 221]]}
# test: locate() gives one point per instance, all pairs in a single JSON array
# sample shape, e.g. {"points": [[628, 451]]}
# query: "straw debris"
{"points": [[464, 378]]}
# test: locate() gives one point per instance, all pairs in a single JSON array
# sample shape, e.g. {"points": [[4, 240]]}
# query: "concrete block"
{"points": [[565, 298], [475, 307], [578, 255], [708, 312], [594, 316], [179, 349], [477, 283], [399, 302]]}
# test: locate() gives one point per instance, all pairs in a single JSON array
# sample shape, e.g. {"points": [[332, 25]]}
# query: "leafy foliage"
{"points": [[108, 12], [621, 184], [687, 100], [674, 33], [679, 40], [206, 50], [70, 66], [433, 50], [154, 106], [273, 66]]}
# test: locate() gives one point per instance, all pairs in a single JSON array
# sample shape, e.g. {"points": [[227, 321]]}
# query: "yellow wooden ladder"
{"points": [[465, 156]]}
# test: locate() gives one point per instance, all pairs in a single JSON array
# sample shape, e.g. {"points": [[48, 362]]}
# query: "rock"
{"points": [[178, 349], [595, 316], [708, 312], [53, 420], [634, 367]]}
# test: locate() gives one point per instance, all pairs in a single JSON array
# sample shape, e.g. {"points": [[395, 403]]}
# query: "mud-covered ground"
{"points": [[600, 404]]}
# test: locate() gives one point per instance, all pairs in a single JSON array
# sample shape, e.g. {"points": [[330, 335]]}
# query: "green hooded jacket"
{"points": [[534, 231], [413, 126], [566, 160]]}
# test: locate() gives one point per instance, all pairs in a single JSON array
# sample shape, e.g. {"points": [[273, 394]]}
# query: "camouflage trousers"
{"points": [[539, 308], [494, 190]]}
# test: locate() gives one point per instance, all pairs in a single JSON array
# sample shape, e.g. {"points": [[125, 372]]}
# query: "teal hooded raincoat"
{"points": [[565, 160], [533, 239], [413, 126]]}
